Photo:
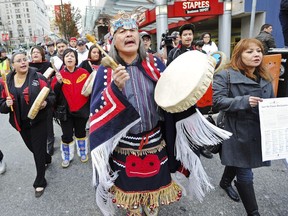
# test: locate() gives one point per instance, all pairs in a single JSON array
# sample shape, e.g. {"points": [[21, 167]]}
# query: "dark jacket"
{"points": [[267, 40], [48, 55], [40, 66], [36, 82], [243, 149], [284, 5], [85, 64], [177, 51]]}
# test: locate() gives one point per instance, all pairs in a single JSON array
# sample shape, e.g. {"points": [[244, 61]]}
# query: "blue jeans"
{"points": [[244, 175]]}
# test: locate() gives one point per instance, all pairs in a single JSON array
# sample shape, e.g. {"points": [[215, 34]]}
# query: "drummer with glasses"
{"points": [[24, 85]]}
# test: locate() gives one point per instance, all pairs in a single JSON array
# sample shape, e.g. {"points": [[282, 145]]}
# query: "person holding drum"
{"points": [[16, 98], [237, 91], [39, 62], [186, 33], [74, 112], [132, 147], [186, 39], [93, 61]]}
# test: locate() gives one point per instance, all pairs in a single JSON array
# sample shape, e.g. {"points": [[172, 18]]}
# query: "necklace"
{"points": [[19, 81]]}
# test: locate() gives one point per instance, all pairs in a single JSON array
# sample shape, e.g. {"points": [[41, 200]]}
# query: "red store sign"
{"points": [[187, 8], [184, 8]]}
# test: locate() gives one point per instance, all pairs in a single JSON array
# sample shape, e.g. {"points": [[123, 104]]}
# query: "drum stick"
{"points": [[53, 65], [111, 63], [3, 74], [89, 62]]}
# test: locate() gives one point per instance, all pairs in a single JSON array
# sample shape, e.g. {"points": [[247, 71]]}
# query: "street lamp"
{"points": [[227, 5]]}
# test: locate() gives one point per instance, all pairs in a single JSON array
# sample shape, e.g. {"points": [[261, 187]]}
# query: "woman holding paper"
{"points": [[237, 91], [45, 68]]}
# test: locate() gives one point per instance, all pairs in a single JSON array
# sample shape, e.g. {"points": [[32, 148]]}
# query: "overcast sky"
{"points": [[81, 4]]}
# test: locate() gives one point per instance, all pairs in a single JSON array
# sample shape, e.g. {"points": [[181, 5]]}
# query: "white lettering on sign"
{"points": [[195, 5]]}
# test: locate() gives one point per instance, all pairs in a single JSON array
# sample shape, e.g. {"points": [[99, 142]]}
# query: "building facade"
{"points": [[26, 22], [267, 11]]}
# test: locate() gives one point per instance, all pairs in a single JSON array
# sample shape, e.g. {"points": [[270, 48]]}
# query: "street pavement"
{"points": [[70, 192]]}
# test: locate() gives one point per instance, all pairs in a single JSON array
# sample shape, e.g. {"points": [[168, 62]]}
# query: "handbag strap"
{"points": [[228, 83]]}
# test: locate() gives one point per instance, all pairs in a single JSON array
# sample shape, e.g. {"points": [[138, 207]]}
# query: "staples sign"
{"points": [[196, 7]]}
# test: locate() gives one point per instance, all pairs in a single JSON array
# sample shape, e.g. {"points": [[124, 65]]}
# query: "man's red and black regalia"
{"points": [[132, 170]]}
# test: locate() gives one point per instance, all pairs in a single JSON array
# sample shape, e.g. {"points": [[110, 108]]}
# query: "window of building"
{"points": [[16, 4], [28, 20], [19, 22], [27, 9], [18, 16]]}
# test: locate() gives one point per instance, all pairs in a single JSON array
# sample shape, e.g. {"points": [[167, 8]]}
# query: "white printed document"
{"points": [[274, 128]]}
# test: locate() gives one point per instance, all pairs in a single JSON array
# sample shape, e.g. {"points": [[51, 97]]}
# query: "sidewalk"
{"points": [[70, 192]]}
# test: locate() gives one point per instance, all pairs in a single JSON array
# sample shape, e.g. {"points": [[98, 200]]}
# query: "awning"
{"points": [[176, 12]]}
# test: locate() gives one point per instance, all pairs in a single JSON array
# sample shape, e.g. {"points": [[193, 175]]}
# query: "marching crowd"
{"points": [[132, 141]]}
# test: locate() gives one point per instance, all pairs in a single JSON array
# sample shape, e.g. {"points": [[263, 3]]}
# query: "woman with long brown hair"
{"points": [[93, 61], [237, 90]]}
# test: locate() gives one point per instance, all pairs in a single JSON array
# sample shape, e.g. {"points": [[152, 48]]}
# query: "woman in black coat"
{"points": [[25, 84], [237, 92], [39, 62]]}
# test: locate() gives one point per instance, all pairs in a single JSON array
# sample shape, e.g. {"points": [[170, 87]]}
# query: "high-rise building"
{"points": [[26, 21]]}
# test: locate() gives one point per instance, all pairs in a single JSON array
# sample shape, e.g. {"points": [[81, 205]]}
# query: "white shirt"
{"points": [[209, 49], [82, 56]]}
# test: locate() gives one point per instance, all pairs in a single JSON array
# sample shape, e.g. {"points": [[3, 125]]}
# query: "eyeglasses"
{"points": [[20, 60], [146, 39]]}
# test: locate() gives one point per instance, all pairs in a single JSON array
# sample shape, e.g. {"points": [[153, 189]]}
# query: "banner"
{"points": [[5, 37]]}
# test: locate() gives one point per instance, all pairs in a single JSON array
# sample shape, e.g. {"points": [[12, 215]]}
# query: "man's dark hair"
{"points": [[199, 43], [186, 27], [265, 26], [61, 40]]}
